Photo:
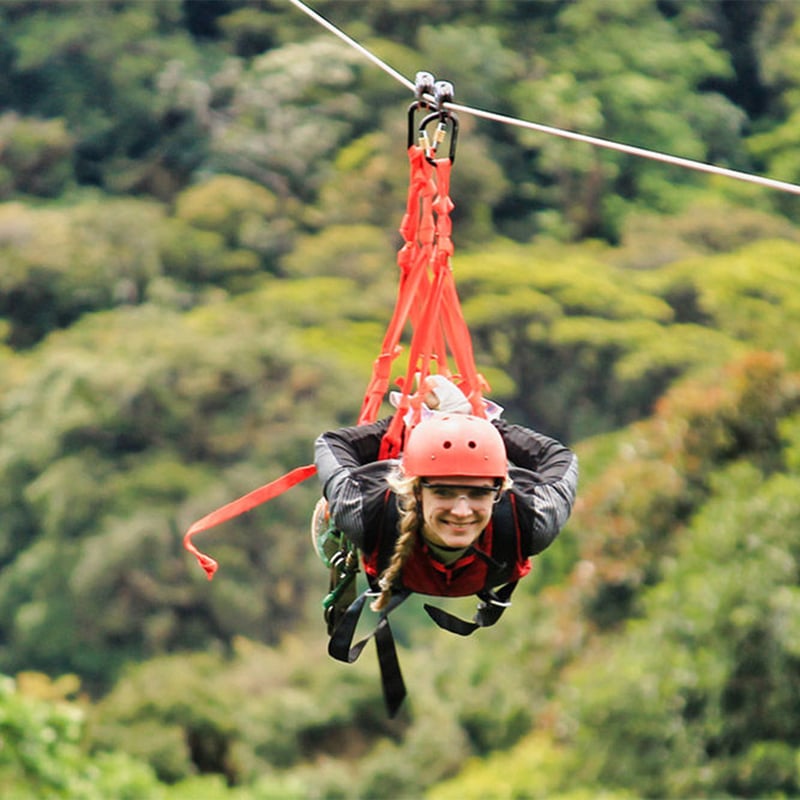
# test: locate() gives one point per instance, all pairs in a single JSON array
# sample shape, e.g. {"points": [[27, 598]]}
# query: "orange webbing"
{"points": [[453, 324], [239, 506], [412, 259], [440, 324]]}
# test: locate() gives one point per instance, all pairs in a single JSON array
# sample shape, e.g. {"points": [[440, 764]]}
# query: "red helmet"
{"points": [[455, 444]]}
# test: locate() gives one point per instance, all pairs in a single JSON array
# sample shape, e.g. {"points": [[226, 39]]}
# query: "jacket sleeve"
{"points": [[545, 481], [353, 480]]}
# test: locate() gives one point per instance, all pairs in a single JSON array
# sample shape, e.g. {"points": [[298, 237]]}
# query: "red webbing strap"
{"points": [[418, 365], [457, 333], [425, 331], [473, 383], [453, 323], [412, 259], [240, 506], [440, 324]]}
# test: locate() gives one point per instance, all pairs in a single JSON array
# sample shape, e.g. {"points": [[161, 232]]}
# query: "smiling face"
{"points": [[455, 510]]}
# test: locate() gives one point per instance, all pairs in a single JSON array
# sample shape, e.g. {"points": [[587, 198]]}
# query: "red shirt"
{"points": [[481, 567]]}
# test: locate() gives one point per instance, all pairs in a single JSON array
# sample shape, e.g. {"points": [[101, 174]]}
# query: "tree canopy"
{"points": [[199, 204]]}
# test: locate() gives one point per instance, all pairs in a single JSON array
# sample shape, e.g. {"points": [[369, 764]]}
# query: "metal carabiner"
{"points": [[440, 134]]}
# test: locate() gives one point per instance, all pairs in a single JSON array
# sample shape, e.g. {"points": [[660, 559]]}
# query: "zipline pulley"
{"points": [[423, 92], [443, 92], [424, 84], [432, 94]]}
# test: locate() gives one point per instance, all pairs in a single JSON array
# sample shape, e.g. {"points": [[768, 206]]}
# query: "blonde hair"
{"points": [[406, 490]]}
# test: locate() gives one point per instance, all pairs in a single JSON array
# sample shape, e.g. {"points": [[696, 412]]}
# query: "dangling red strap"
{"points": [[240, 506]]}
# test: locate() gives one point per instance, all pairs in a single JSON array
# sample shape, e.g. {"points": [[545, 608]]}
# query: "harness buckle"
{"points": [[497, 602]]}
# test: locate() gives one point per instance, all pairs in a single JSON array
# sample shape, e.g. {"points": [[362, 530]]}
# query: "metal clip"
{"points": [[440, 134]]}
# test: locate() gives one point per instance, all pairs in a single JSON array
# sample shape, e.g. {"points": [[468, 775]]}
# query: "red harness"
{"points": [[427, 295]]}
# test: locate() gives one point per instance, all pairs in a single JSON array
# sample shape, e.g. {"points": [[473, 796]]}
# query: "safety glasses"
{"points": [[453, 491]]}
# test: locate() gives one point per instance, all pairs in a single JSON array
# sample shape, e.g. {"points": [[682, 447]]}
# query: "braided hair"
{"points": [[407, 491]]}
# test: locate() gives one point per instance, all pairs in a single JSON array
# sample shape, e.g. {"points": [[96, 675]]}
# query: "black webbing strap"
{"points": [[341, 648], [394, 687], [490, 609]]}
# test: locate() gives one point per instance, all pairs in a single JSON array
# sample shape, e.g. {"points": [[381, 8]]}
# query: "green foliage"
{"points": [[470, 56], [532, 770], [632, 511], [62, 263], [226, 231], [173, 348], [152, 107], [290, 112], [250, 30], [776, 50], [533, 309], [241, 717], [101, 65], [372, 172], [608, 85], [35, 156], [730, 685], [45, 755], [42, 753], [230, 206], [113, 397], [710, 225], [193, 256], [738, 292], [357, 252]]}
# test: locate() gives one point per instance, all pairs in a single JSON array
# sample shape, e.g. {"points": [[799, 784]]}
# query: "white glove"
{"points": [[444, 397], [447, 397]]}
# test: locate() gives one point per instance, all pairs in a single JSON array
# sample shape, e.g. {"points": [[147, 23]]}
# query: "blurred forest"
{"points": [[199, 203]]}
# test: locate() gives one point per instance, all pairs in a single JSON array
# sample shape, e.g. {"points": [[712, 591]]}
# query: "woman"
{"points": [[460, 513], [435, 521]]}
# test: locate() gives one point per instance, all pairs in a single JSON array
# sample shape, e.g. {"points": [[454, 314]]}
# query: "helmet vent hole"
{"points": [[472, 445], [447, 445]]}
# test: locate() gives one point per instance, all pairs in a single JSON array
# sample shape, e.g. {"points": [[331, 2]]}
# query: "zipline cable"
{"points": [[353, 43], [665, 158], [640, 152]]}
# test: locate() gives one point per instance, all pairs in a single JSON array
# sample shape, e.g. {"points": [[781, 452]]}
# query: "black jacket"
{"points": [[544, 474]]}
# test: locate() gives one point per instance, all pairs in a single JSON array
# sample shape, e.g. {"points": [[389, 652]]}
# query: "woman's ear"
{"points": [[503, 485]]}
